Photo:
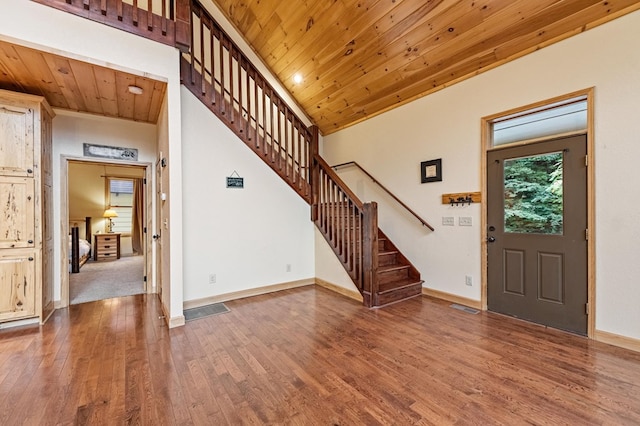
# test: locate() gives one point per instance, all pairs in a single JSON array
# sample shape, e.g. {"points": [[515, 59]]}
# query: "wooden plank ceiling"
{"points": [[359, 58], [79, 86]]}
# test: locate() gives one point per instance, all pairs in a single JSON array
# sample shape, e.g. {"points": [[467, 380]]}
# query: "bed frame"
{"points": [[76, 261]]}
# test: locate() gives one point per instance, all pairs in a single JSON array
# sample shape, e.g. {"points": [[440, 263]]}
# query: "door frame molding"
{"points": [[591, 255], [64, 216]]}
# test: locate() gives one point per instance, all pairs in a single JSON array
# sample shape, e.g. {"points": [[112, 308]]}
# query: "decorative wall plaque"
{"points": [[113, 152]]}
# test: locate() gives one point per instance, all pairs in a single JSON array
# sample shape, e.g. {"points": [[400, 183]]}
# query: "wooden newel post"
{"points": [[370, 252], [315, 172]]}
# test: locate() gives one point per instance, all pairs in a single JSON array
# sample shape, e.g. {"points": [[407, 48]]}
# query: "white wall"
{"points": [[41, 27], [244, 236], [446, 125], [70, 131]]}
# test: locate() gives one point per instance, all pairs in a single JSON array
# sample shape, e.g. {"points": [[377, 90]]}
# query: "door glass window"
{"points": [[533, 202]]}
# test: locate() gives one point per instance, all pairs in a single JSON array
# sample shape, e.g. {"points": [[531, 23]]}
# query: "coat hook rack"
{"points": [[461, 199]]}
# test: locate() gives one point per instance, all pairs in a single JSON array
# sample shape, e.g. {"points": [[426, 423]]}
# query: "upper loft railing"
{"points": [[217, 72], [353, 163], [164, 21]]}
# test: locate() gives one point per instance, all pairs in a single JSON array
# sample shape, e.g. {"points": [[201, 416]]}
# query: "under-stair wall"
{"points": [[245, 237]]}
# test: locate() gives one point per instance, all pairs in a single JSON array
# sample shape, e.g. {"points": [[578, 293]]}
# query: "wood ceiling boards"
{"points": [[79, 86], [359, 58]]}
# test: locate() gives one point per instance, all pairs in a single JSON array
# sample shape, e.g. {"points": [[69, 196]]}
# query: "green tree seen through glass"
{"points": [[533, 201]]}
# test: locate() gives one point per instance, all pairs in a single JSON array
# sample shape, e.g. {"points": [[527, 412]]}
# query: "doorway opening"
{"points": [[538, 215], [107, 215]]}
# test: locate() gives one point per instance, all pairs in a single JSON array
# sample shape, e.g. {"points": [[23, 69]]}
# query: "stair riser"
{"points": [[401, 294], [387, 259], [390, 276]]}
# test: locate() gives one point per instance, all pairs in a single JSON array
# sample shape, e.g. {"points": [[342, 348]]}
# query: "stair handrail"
{"points": [[377, 182]]}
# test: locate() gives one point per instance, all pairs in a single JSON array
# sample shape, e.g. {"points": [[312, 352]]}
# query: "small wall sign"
{"points": [[235, 181], [113, 152]]}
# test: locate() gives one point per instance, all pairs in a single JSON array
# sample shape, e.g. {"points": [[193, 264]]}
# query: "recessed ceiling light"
{"points": [[135, 90], [297, 79]]}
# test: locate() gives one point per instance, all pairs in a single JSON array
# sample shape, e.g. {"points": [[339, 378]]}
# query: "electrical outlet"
{"points": [[447, 221], [464, 221], [212, 278], [288, 267], [468, 280]]}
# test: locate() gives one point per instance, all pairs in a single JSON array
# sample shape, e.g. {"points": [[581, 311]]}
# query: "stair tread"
{"points": [[400, 284], [393, 267]]}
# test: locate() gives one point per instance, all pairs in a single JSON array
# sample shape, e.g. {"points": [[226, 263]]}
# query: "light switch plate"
{"points": [[448, 221], [464, 221]]}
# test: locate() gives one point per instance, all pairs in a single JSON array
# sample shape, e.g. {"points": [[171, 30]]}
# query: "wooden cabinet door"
{"points": [[17, 210], [16, 141], [17, 284]]}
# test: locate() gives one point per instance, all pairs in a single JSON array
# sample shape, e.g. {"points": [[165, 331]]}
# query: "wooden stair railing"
{"points": [[380, 272], [164, 21], [391, 194], [217, 72], [349, 226], [222, 77]]}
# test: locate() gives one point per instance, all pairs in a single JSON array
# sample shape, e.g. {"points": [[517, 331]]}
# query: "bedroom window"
{"points": [[120, 199]]}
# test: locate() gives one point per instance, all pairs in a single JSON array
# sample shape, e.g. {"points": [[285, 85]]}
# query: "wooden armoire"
{"points": [[26, 207]]}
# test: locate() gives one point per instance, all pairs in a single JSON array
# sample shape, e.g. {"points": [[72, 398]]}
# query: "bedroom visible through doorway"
{"points": [[106, 212]]}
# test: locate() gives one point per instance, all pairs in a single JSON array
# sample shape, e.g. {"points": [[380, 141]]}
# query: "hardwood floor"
{"points": [[309, 357]]}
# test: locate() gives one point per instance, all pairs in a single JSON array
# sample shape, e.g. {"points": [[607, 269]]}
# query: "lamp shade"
{"points": [[110, 213]]}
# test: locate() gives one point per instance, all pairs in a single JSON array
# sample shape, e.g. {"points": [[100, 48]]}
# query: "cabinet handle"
{"points": [[31, 259], [107, 247], [29, 171], [30, 241]]}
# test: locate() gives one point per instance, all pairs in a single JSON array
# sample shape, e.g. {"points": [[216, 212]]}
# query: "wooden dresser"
{"points": [[106, 246], [26, 210]]}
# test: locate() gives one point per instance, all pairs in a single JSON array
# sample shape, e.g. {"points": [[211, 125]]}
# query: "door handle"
{"points": [[491, 239], [156, 236]]}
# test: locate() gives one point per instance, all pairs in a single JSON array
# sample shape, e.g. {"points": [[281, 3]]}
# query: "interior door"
{"points": [[157, 237], [148, 241], [536, 236]]}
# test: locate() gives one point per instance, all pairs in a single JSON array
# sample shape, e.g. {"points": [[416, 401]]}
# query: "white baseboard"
{"points": [[196, 303], [340, 290], [617, 340], [476, 304], [178, 321]]}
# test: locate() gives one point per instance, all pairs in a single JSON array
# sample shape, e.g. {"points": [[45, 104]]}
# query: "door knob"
{"points": [[156, 236], [491, 239]]}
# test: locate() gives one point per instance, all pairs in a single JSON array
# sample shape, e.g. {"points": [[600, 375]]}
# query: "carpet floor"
{"points": [[105, 280]]}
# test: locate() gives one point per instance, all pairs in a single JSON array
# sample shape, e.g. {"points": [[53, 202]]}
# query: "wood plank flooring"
{"points": [[309, 357]]}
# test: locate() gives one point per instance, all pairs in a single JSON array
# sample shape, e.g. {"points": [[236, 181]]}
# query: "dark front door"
{"points": [[536, 236]]}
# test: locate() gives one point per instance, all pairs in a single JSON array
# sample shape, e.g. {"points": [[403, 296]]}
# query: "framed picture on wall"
{"points": [[431, 171]]}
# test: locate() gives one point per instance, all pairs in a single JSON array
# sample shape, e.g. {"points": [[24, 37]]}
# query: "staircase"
{"points": [[218, 73], [214, 69]]}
